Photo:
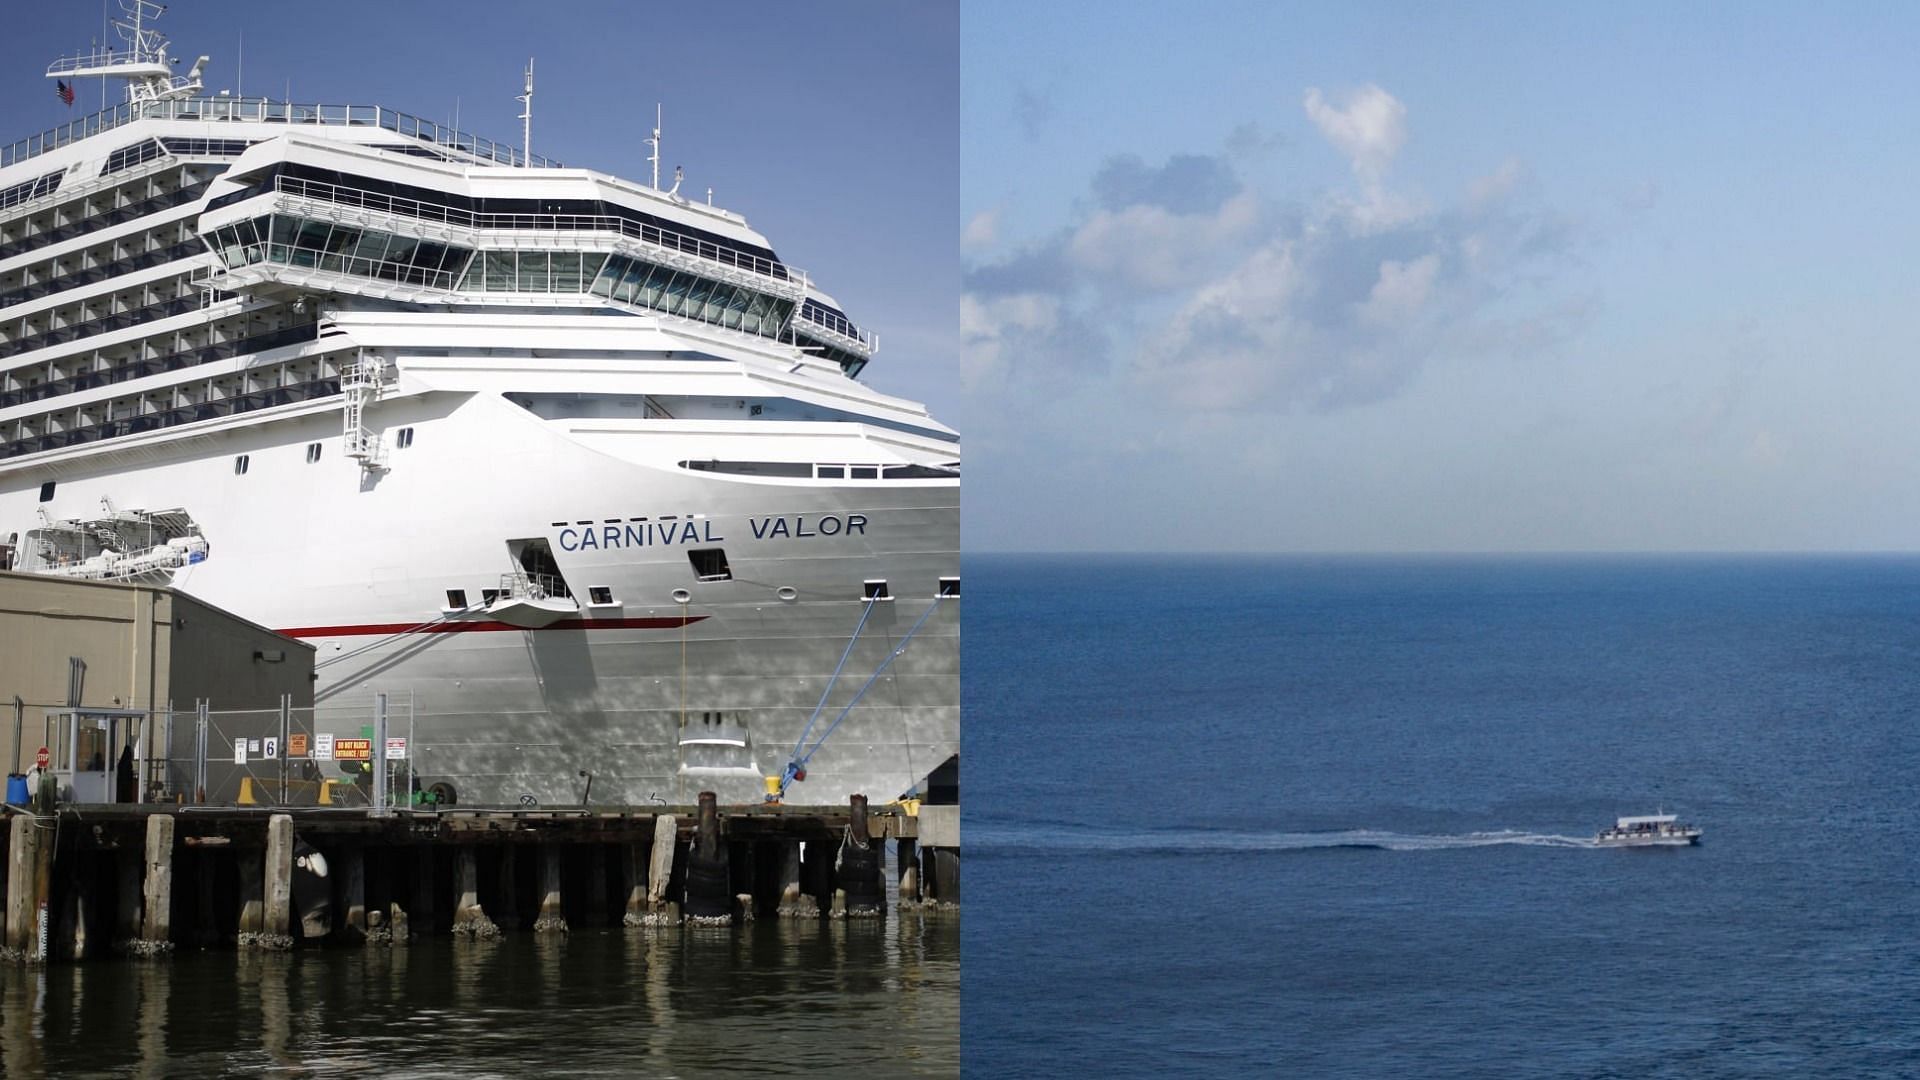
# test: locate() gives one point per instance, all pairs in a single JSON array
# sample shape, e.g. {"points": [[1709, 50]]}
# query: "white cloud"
{"points": [[1401, 291], [989, 327], [1496, 185], [1151, 247], [1369, 128], [982, 230]]}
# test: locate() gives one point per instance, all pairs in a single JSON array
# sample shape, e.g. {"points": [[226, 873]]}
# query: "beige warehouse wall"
{"points": [[142, 645]]}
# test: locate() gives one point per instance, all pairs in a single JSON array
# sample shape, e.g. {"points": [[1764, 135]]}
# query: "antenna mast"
{"points": [[655, 143], [144, 63], [526, 115]]}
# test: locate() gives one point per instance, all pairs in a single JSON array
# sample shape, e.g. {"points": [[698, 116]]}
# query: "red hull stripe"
{"points": [[384, 629]]}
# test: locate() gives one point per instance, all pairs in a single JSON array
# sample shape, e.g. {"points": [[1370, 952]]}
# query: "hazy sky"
{"points": [[831, 127], [1439, 277]]}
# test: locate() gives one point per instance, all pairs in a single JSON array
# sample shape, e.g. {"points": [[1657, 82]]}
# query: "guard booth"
{"points": [[86, 748]]}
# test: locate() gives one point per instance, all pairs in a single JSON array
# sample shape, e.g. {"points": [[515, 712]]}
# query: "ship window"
{"points": [[240, 465], [710, 564], [949, 586], [456, 598], [865, 472], [875, 589], [46, 491], [488, 596], [832, 472], [601, 594], [313, 452], [404, 439]]}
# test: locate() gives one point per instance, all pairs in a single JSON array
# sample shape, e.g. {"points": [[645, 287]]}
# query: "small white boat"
{"points": [[1649, 830]]}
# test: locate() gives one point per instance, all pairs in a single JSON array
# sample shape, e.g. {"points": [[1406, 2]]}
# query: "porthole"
{"points": [[681, 596], [313, 452], [787, 592], [240, 465]]}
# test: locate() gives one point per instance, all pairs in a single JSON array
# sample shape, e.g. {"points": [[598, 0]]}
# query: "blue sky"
{"points": [[831, 127], [1490, 277]]}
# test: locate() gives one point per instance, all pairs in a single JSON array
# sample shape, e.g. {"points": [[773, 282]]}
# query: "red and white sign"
{"points": [[396, 749], [42, 757]]}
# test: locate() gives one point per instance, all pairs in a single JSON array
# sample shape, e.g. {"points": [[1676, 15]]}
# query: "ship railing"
{"points": [[107, 57], [525, 586], [845, 334], [360, 198], [261, 110]]}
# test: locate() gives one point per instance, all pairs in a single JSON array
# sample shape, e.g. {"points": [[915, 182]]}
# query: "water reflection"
{"points": [[774, 995]]}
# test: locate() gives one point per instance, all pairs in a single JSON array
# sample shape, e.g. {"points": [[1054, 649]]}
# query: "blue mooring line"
{"points": [[793, 762], [800, 761]]}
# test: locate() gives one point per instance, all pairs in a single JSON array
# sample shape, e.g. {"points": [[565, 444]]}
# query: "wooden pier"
{"points": [[89, 881]]}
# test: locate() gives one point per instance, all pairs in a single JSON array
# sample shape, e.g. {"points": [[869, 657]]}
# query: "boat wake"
{"points": [[1008, 838]]}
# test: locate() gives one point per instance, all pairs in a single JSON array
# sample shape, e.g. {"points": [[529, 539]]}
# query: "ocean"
{"points": [[1332, 816]]}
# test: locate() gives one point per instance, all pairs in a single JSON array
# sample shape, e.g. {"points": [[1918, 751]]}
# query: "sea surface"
{"points": [[1331, 817], [773, 998]]}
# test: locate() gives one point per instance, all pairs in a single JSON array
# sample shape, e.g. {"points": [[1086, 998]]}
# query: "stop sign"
{"points": [[42, 758]]}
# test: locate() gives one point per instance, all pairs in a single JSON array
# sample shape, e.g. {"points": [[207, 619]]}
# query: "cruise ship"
{"points": [[578, 466]]}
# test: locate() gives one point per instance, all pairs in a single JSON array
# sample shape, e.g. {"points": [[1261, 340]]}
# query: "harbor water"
{"points": [[771, 998], [1333, 817]]}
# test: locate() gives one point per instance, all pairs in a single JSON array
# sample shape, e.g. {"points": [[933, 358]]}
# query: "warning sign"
{"points": [[396, 749], [323, 746], [297, 744], [353, 749]]}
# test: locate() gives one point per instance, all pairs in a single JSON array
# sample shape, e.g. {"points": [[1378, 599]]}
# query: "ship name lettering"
{"points": [[800, 527], [639, 534]]}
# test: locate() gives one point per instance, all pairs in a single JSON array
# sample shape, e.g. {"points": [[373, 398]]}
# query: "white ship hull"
{"points": [[356, 566]]}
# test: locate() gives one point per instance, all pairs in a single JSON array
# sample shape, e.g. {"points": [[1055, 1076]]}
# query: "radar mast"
{"points": [[143, 63]]}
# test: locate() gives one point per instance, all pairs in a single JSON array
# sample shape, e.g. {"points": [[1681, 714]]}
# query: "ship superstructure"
{"points": [[579, 464]]}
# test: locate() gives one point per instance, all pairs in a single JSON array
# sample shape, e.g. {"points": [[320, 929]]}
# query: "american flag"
{"points": [[65, 90]]}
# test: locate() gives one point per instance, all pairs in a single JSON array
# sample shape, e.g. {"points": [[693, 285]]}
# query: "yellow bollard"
{"points": [[246, 791], [326, 793], [773, 789]]}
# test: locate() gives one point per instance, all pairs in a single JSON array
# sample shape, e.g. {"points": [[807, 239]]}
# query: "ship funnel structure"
{"points": [[143, 63]]}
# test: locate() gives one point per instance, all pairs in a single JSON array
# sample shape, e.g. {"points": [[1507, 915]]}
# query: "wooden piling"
{"points": [[859, 872], [907, 862], [709, 897], [352, 897], [253, 880], [128, 866], [275, 934], [551, 920], [469, 918], [795, 901], [633, 876], [23, 848], [660, 910], [156, 927]]}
